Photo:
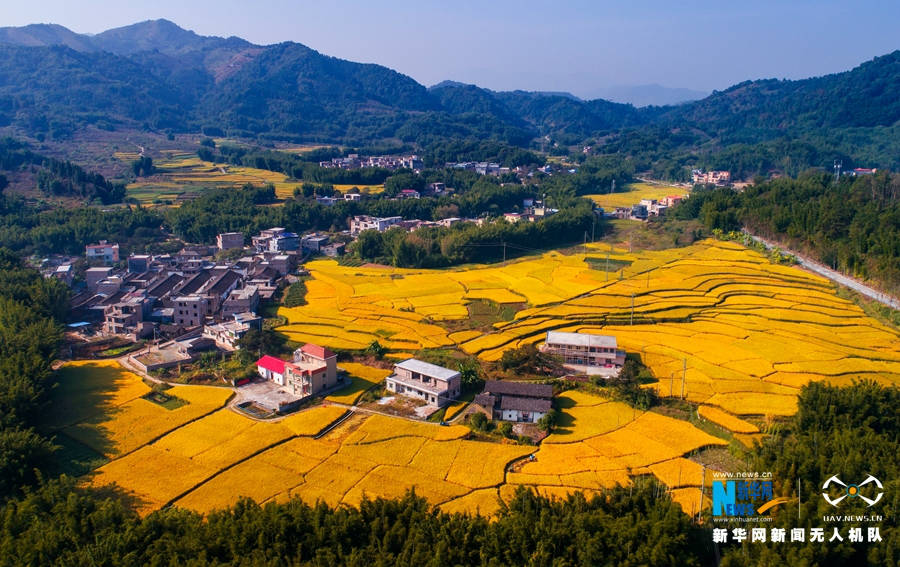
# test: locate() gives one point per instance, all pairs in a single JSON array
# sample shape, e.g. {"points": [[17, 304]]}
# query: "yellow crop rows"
{"points": [[714, 320], [726, 420], [102, 405], [632, 194]]}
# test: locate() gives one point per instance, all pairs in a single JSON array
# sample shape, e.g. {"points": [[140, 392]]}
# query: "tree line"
{"points": [[852, 225], [31, 311]]}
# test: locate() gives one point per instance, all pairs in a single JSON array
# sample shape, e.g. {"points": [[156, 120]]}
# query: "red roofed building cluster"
{"points": [[312, 370]]}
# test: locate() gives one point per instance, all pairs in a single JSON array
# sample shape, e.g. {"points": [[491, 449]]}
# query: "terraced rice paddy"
{"points": [[101, 405], [632, 194], [209, 460], [737, 334], [716, 320], [182, 173]]}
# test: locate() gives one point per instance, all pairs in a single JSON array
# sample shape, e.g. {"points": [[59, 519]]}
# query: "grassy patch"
{"points": [[165, 400], [295, 295], [118, 351], [607, 264]]}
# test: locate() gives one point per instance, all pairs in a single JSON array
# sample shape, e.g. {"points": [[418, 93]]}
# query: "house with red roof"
{"points": [[313, 369], [271, 368]]}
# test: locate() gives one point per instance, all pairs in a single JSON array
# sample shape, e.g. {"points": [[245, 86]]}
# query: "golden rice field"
{"points": [[715, 319], [181, 171], [211, 460], [362, 378], [632, 194], [160, 472], [100, 404]]}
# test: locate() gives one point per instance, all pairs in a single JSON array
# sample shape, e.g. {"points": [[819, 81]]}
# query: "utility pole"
{"points": [[607, 266], [632, 309], [504, 252], [702, 484], [683, 375], [584, 245]]}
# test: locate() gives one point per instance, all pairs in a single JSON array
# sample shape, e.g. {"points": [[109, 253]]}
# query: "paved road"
{"points": [[838, 277]]}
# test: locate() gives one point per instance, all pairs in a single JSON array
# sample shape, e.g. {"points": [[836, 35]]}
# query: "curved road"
{"points": [[838, 277]]}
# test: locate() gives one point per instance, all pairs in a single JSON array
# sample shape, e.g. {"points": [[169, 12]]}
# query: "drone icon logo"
{"points": [[852, 490]]}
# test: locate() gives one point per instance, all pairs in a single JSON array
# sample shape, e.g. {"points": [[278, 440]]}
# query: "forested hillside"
{"points": [[853, 225], [155, 75]]}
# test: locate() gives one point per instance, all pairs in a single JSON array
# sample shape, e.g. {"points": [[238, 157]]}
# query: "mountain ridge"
{"points": [[158, 75]]}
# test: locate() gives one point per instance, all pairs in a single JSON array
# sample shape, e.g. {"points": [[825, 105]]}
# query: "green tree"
{"points": [[376, 349]]}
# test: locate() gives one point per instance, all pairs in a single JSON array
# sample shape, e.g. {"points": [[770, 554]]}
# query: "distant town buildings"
{"points": [[276, 240], [355, 161], [229, 240], [710, 177], [365, 222], [104, 252]]}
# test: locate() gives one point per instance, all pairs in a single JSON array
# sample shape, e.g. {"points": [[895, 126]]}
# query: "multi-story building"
{"points": [[314, 242], [276, 239], [190, 310], [229, 240], [128, 315], [241, 301], [313, 369], [365, 222], [437, 385], [228, 333], [103, 252], [65, 273], [583, 352], [710, 177], [138, 263], [93, 276]]}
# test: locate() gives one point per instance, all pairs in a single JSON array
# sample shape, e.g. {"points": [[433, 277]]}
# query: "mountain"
{"points": [[866, 96], [650, 95], [159, 76], [43, 35]]}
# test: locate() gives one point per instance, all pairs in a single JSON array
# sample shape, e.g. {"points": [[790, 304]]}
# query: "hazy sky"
{"points": [[576, 46]]}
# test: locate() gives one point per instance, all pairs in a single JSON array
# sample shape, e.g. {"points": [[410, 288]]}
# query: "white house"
{"points": [[437, 385], [271, 368]]}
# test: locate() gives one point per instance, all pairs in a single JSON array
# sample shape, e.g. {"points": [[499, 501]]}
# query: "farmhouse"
{"points": [[515, 401], [271, 368], [582, 352], [417, 379], [314, 369]]}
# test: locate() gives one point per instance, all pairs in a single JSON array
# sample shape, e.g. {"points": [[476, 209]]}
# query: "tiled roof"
{"points": [[521, 389], [317, 351], [525, 404]]}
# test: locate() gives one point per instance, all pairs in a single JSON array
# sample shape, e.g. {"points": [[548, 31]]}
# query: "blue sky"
{"points": [[575, 46]]}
